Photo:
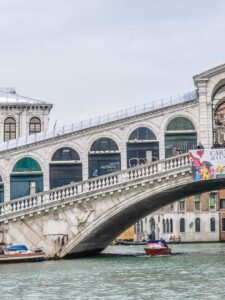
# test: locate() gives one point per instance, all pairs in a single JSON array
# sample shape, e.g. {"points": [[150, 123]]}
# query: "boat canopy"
{"points": [[156, 241], [17, 248]]}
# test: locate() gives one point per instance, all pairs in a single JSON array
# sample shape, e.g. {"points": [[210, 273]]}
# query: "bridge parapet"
{"points": [[50, 198]]}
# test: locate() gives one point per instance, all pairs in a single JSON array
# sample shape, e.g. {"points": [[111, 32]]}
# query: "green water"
{"points": [[197, 271]]}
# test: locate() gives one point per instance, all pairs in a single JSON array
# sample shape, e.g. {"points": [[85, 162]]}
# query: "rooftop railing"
{"points": [[125, 113]]}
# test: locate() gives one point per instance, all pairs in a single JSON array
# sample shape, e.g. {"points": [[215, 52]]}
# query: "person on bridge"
{"points": [[200, 146]]}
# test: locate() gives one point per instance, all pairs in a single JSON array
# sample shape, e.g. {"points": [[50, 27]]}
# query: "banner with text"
{"points": [[207, 163]]}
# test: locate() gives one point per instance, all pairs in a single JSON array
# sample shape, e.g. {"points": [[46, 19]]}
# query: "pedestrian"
{"points": [[200, 146]]}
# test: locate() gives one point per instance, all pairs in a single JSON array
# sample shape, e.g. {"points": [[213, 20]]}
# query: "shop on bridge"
{"points": [[142, 147], [181, 134], [104, 157], [26, 178], [65, 167]]}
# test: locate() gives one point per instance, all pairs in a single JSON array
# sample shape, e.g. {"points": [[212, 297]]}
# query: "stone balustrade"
{"points": [[125, 176]]}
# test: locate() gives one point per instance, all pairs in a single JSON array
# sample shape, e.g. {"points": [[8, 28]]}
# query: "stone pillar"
{"points": [[205, 115]]}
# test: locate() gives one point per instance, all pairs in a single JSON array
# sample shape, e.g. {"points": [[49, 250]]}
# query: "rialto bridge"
{"points": [[64, 206]]}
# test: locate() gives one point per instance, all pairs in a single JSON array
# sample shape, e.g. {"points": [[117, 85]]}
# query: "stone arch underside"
{"points": [[92, 240]]}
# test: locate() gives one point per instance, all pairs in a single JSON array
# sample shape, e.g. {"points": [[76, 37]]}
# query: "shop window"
{"points": [[9, 129]]}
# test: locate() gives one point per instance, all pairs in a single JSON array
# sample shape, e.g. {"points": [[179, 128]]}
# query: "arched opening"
{"points": [[182, 225], [167, 226], [142, 147], [1, 190], [65, 167], [104, 157], [9, 129], [197, 225], [26, 178], [35, 125], [152, 228], [180, 134], [212, 225]]}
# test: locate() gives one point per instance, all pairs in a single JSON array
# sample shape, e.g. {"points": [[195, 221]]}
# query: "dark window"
{"points": [[104, 144], [197, 225], [164, 225], [64, 154], [182, 225], [180, 123], [223, 224], [142, 133], [9, 129], [222, 203], [172, 206], [212, 225], [167, 226], [171, 225], [35, 125]]}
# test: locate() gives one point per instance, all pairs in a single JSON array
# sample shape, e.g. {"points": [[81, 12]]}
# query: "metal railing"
{"points": [[125, 113], [159, 168]]}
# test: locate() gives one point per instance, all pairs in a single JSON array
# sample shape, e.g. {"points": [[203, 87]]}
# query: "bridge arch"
{"points": [[180, 132], [65, 167], [97, 235], [104, 157], [26, 178]]}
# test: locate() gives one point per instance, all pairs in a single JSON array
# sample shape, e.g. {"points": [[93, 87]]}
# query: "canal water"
{"points": [[194, 271]]}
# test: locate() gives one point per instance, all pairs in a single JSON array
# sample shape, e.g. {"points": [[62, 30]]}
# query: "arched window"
{"points": [[35, 125], [197, 225], [9, 129], [180, 123], [104, 157], [26, 178], [212, 225], [167, 226], [142, 147], [64, 154], [65, 167], [171, 225], [180, 133], [182, 225], [27, 164], [104, 144], [1, 190], [164, 225], [142, 133]]}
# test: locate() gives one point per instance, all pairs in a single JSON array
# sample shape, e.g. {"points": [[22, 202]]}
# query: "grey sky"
{"points": [[90, 57]]}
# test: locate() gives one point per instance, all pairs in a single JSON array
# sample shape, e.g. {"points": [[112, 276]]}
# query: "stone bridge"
{"points": [[83, 218]]}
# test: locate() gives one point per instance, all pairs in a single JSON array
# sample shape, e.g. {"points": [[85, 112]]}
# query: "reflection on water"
{"points": [[197, 272]]}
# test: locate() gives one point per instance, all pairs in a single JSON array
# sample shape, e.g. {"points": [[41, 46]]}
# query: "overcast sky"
{"points": [[90, 57]]}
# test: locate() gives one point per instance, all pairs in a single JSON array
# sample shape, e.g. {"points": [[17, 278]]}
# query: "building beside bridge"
{"points": [[34, 158]]}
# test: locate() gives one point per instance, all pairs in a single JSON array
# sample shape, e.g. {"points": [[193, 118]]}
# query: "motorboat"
{"points": [[20, 253], [157, 247]]}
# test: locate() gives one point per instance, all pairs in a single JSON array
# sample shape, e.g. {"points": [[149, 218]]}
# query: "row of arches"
{"points": [[104, 157], [10, 127], [197, 224]]}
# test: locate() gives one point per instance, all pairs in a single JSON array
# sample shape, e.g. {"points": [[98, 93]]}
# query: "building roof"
{"points": [[8, 96]]}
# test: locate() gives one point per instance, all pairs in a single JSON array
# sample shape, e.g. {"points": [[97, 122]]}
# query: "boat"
{"points": [[157, 247], [20, 253]]}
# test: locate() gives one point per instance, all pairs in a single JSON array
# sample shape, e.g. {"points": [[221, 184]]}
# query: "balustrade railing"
{"points": [[64, 192]]}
